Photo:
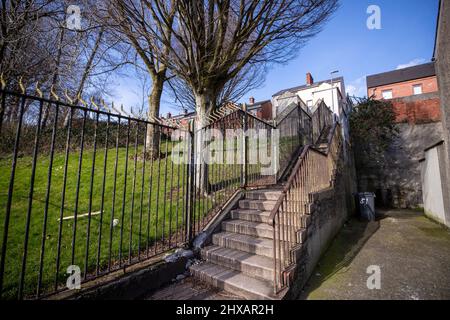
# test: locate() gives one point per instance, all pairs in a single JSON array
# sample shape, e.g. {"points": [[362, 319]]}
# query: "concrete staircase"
{"points": [[240, 259]]}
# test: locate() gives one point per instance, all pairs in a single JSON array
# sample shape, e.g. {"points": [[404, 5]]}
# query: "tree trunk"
{"points": [[55, 76], [205, 104], [4, 32], [153, 131], [86, 73]]}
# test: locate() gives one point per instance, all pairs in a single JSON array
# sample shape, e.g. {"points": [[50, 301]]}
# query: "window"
{"points": [[309, 103], [387, 94], [417, 89]]}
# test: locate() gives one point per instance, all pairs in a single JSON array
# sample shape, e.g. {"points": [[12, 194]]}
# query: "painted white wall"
{"points": [[432, 186], [331, 94]]}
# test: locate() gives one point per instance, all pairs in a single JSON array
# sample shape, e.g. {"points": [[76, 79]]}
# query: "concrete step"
{"points": [[250, 264], [304, 207], [260, 246], [263, 205], [234, 281], [251, 215], [261, 230], [263, 216], [267, 194], [303, 220], [255, 229]]}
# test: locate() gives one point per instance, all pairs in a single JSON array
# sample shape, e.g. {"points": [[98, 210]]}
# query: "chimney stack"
{"points": [[169, 115], [309, 79], [252, 100]]}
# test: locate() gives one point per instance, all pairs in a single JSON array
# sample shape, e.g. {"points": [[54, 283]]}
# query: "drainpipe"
{"points": [[332, 89]]}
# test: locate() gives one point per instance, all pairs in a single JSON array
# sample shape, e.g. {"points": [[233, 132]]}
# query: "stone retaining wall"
{"points": [[396, 180], [331, 209]]}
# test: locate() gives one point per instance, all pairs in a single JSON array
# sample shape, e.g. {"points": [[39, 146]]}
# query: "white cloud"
{"points": [[357, 87], [412, 63]]}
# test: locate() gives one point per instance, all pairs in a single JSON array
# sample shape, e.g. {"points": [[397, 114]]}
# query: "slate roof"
{"points": [[185, 115], [396, 76], [257, 104], [305, 86]]}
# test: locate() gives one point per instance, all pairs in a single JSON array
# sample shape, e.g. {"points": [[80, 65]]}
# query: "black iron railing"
{"points": [[295, 129], [86, 187], [322, 117], [83, 189], [237, 153], [314, 171]]}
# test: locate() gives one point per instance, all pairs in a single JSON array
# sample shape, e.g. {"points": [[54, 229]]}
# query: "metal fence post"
{"points": [[191, 182], [244, 146]]}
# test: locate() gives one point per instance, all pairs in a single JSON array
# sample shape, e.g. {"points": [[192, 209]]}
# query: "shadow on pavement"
{"points": [[343, 249]]}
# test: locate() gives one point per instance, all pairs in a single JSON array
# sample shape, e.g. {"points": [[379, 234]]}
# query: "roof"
{"points": [[257, 104], [185, 115], [305, 86], [401, 75]]}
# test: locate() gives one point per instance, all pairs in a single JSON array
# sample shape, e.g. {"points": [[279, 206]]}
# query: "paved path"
{"points": [[190, 289], [412, 252]]}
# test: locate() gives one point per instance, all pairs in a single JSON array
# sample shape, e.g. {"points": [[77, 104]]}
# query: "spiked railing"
{"points": [[322, 117], [295, 129], [89, 192], [231, 146], [314, 171], [85, 187]]}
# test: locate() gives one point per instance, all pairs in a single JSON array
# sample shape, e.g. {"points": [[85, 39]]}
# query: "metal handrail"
{"points": [[298, 105], [301, 159], [287, 233]]}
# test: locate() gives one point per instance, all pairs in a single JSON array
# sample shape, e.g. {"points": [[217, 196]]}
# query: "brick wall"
{"points": [[266, 111], [418, 109]]}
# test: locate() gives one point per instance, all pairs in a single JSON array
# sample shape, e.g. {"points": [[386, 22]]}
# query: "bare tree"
{"points": [[130, 20], [87, 69], [24, 50], [251, 77], [212, 41], [21, 21], [36, 45]]}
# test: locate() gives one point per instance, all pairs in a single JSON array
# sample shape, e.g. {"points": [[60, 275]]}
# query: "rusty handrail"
{"points": [[288, 184], [296, 168], [304, 180]]}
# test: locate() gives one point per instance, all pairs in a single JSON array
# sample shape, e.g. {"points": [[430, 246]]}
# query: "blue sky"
{"points": [[345, 44]]}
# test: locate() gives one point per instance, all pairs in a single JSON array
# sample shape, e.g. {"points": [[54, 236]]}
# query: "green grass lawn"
{"points": [[142, 224], [142, 221]]}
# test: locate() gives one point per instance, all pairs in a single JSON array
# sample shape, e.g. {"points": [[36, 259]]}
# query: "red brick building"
{"points": [[413, 92], [261, 109]]}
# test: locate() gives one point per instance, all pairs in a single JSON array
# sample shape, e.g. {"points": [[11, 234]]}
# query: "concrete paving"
{"points": [[412, 252], [190, 289]]}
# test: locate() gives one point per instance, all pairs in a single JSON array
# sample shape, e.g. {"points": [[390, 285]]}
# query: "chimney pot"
{"points": [[252, 100], [169, 115], [309, 79]]}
